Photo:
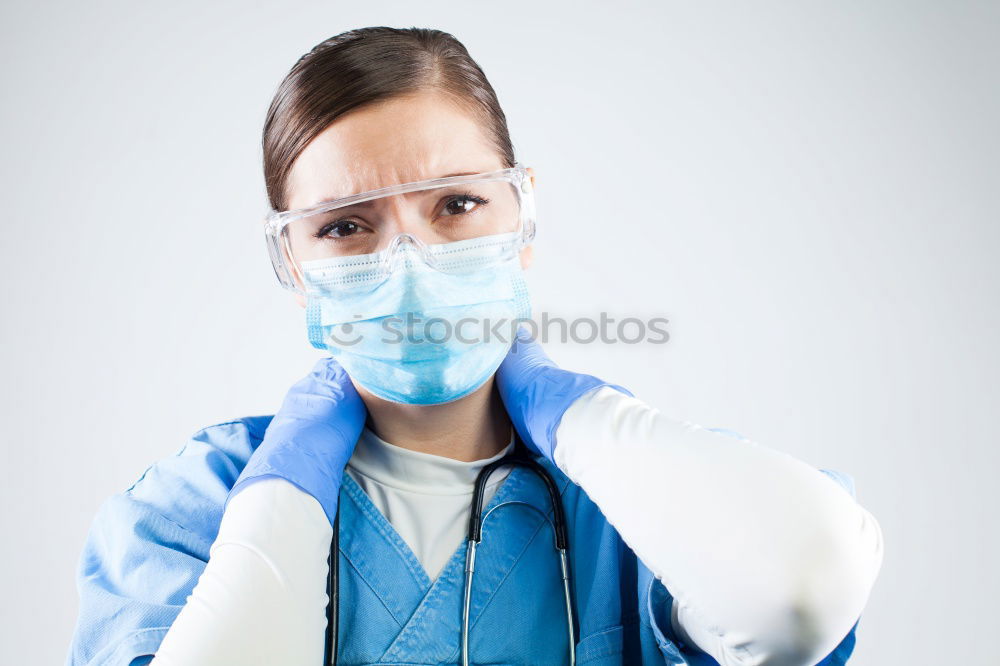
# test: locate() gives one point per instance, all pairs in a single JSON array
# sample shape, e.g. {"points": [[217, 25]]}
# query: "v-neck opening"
{"points": [[416, 602], [391, 534], [388, 532]]}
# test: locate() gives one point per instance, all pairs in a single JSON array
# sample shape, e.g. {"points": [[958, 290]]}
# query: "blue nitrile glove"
{"points": [[312, 436], [537, 392]]}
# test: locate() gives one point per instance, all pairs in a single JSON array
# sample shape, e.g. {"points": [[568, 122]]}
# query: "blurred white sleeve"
{"points": [[262, 596], [768, 559]]}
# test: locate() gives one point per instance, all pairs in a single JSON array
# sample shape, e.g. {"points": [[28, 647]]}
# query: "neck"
{"points": [[471, 428]]}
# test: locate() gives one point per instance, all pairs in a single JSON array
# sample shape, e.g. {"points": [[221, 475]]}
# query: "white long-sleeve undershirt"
{"points": [[769, 561], [261, 599]]}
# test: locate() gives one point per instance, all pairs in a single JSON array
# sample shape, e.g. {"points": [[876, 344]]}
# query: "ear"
{"points": [[527, 256], [528, 253]]}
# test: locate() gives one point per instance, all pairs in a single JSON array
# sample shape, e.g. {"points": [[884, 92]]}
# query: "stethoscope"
{"points": [[518, 457]]}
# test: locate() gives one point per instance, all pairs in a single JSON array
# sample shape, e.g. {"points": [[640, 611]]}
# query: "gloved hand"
{"points": [[537, 392], [311, 438]]}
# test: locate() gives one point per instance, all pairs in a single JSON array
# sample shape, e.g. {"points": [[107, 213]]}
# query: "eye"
{"points": [[338, 229], [463, 203]]}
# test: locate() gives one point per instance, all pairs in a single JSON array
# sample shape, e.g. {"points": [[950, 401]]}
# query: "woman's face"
{"points": [[404, 139]]}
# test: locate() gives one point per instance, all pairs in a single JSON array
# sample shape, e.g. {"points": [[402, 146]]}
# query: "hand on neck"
{"points": [[467, 429]]}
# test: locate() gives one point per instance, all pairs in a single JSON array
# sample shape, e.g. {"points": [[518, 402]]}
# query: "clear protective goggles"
{"points": [[371, 228]]}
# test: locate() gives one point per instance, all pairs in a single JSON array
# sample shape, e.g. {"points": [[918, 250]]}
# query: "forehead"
{"points": [[401, 140]]}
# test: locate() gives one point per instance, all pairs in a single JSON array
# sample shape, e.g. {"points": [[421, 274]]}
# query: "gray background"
{"points": [[808, 191]]}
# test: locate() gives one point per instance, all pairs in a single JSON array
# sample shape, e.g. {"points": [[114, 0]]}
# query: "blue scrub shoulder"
{"points": [[148, 545], [200, 475]]}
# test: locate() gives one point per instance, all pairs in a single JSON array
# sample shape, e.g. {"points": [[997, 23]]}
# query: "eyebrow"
{"points": [[343, 196]]}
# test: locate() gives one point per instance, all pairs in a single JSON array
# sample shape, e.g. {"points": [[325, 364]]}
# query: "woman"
{"points": [[405, 224]]}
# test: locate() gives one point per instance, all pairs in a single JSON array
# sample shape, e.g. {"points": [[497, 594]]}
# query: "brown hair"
{"points": [[363, 66]]}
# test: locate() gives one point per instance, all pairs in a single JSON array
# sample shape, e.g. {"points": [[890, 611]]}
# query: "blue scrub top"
{"points": [[149, 544]]}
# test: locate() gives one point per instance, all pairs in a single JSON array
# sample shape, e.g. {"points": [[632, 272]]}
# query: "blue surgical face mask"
{"points": [[423, 325]]}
